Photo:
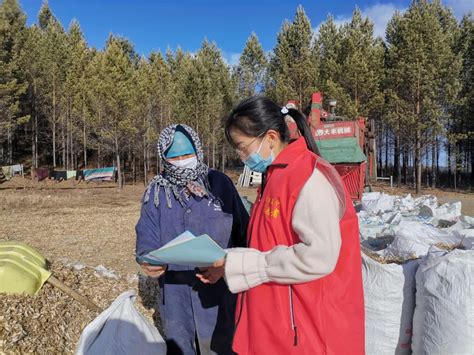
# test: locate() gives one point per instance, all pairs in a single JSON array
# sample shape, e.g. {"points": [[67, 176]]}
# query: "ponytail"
{"points": [[304, 129]]}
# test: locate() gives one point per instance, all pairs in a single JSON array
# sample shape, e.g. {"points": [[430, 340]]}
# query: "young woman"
{"points": [[300, 279], [188, 196]]}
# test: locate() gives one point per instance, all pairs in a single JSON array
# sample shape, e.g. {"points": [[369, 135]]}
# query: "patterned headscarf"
{"points": [[182, 182]]}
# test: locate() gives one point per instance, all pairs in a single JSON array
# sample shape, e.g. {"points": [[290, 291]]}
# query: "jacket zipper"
{"points": [[262, 187], [265, 178], [292, 318]]}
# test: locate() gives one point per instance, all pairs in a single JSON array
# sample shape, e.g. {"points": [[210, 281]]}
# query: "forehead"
{"points": [[238, 137]]}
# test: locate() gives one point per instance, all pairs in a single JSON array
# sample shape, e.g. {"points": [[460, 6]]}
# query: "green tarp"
{"points": [[341, 150]]}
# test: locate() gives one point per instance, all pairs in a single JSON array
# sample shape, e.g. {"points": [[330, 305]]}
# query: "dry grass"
{"points": [[384, 260], [94, 226], [449, 247]]}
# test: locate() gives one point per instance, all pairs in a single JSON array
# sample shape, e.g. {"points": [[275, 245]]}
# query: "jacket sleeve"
{"points": [[316, 221], [148, 228]]}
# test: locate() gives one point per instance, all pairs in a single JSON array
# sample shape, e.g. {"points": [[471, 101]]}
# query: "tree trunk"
{"points": [[119, 167], [471, 156], [63, 143], [427, 169], [33, 147], [437, 158], [449, 163], [455, 169], [68, 147], [54, 122], [9, 145], [75, 161], [36, 140], [84, 136], [396, 159], [73, 166], [386, 152], [145, 166], [98, 155], [34, 128], [379, 153], [405, 166], [54, 144], [99, 142], [213, 149], [417, 164]]}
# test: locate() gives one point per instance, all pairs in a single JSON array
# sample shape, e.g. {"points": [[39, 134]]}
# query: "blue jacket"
{"points": [[189, 308]]}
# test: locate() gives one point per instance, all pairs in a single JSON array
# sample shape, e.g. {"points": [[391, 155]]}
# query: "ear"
{"points": [[273, 137]]}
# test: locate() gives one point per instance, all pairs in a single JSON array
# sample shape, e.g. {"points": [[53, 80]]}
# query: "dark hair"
{"points": [[256, 115]]}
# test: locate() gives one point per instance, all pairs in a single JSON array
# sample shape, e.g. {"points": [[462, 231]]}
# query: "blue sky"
{"points": [[157, 24]]}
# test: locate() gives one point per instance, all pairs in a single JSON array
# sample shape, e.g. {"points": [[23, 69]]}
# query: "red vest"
{"points": [[325, 316]]}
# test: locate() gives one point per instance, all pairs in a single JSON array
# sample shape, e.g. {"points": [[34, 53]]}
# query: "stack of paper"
{"points": [[186, 249]]}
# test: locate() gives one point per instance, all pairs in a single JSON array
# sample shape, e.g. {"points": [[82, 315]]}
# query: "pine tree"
{"points": [[76, 94], [461, 125], [218, 96], [361, 65], [180, 64], [397, 112], [422, 71], [31, 64], [292, 69], [351, 65], [252, 66], [12, 85], [161, 88], [45, 16], [329, 47], [53, 56], [115, 88]]}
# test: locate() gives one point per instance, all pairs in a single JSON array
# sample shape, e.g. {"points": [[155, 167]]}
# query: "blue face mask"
{"points": [[255, 161]]}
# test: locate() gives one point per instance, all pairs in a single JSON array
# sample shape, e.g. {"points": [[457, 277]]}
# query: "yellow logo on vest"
{"points": [[272, 207]]}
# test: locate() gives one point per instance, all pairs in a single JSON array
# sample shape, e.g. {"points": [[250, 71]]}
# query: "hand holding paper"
{"points": [[213, 273], [153, 270]]}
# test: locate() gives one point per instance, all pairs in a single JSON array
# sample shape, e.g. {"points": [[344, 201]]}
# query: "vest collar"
{"points": [[288, 154]]}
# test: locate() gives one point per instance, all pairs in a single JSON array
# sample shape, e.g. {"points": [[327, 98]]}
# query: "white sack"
{"points": [[121, 329], [375, 202], [389, 295], [443, 321], [414, 239]]}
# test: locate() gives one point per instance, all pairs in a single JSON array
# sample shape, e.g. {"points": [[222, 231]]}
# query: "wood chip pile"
{"points": [[52, 322]]}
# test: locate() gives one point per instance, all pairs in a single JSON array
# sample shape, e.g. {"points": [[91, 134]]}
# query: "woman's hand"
{"points": [[153, 270], [213, 273]]}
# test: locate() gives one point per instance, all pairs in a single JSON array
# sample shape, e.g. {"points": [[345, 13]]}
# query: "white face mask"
{"points": [[189, 163]]}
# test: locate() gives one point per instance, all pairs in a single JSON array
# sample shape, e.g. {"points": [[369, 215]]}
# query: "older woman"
{"points": [[188, 196]]}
